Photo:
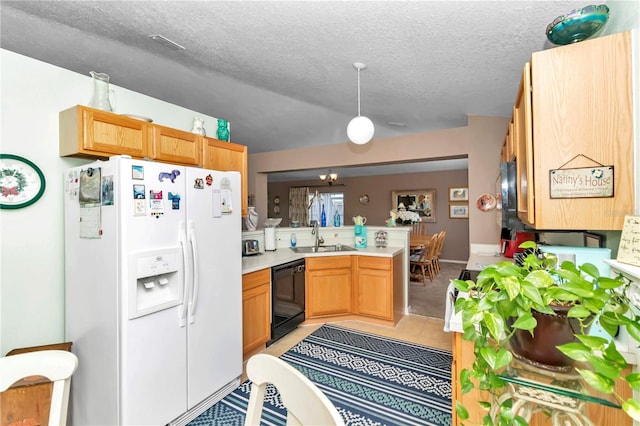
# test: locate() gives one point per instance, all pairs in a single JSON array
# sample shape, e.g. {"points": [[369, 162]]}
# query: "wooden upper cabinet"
{"points": [[176, 146], [522, 126], [227, 156], [573, 110], [583, 117], [92, 133], [508, 150]]}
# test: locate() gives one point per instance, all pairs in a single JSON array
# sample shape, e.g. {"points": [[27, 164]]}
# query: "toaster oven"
{"points": [[250, 247]]}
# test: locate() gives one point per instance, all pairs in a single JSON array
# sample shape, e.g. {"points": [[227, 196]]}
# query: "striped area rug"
{"points": [[372, 380]]}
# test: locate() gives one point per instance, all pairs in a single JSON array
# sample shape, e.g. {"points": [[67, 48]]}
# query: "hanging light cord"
{"points": [[358, 92]]}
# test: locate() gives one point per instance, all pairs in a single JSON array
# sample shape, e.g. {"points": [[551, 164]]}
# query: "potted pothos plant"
{"points": [[503, 309]]}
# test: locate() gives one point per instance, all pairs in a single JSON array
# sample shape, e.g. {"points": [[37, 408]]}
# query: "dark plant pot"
{"points": [[551, 331]]}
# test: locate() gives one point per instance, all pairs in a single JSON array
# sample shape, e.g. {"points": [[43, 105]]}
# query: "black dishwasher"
{"points": [[287, 298]]}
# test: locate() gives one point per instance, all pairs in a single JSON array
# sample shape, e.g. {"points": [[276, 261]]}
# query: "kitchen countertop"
{"points": [[479, 261], [268, 259]]}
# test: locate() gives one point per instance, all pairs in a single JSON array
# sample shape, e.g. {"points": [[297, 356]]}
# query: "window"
{"points": [[333, 202]]}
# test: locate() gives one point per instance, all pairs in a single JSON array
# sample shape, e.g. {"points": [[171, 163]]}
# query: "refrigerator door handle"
{"points": [[193, 303], [187, 275]]}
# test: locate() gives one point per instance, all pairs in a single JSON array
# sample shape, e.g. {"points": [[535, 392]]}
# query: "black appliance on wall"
{"points": [[287, 298], [509, 197]]}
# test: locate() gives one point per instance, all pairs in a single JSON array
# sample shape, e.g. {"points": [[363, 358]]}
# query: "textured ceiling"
{"points": [[281, 72]]}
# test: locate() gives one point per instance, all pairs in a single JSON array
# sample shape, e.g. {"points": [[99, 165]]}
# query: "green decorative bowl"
{"points": [[578, 25]]}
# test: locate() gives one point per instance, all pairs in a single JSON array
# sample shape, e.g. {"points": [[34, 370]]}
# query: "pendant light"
{"points": [[360, 129]]}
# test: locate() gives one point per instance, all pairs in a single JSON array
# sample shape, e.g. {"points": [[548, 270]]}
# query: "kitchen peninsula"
{"points": [[268, 259], [397, 243], [369, 284]]}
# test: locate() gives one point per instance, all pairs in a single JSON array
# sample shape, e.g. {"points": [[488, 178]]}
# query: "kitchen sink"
{"points": [[322, 249]]}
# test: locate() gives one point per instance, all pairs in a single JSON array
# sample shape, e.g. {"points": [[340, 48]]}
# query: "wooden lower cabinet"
{"points": [[256, 310], [360, 286], [463, 358], [379, 289], [328, 286]]}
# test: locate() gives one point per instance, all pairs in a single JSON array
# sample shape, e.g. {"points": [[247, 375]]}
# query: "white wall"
{"points": [[31, 239]]}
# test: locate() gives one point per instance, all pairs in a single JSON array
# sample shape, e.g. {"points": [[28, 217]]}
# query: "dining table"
{"points": [[418, 241]]}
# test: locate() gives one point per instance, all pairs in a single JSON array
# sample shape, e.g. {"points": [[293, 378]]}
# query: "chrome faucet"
{"points": [[315, 231]]}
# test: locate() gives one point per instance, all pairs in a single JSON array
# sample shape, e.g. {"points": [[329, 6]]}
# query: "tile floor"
{"points": [[411, 328]]}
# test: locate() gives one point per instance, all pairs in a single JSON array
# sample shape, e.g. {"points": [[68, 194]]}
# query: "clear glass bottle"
{"points": [[336, 219], [100, 98]]}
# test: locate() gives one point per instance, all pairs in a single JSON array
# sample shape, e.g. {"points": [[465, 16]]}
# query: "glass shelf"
{"points": [[568, 384], [563, 395]]}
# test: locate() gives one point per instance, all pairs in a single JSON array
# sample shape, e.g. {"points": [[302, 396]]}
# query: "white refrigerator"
{"points": [[153, 278]]}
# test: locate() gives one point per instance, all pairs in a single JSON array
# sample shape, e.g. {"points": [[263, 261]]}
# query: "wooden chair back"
{"points": [[443, 235], [429, 250], [419, 228], [305, 403], [55, 365]]}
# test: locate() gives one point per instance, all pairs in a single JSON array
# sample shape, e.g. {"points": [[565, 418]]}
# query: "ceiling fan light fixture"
{"points": [[360, 129]]}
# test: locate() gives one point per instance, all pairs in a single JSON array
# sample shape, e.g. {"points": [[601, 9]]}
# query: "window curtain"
{"points": [[298, 204]]}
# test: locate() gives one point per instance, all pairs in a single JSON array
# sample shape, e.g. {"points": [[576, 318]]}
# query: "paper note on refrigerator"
{"points": [[217, 203], [90, 205], [629, 248], [226, 194], [91, 221]]}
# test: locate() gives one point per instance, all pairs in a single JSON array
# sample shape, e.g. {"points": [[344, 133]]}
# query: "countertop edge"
{"points": [[269, 259]]}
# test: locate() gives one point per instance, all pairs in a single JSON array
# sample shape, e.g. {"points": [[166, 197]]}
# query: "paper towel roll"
{"points": [[269, 239]]}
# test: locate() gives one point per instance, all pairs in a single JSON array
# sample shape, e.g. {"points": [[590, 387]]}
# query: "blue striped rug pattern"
{"points": [[372, 380]]}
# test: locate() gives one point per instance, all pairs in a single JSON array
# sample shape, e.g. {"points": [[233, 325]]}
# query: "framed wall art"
{"points": [[21, 182], [458, 211], [421, 201], [458, 194]]}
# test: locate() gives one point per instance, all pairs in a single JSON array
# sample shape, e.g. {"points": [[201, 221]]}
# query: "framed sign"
{"points": [[21, 182], [584, 182], [421, 201]]}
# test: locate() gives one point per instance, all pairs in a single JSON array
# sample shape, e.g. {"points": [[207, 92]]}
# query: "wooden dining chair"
{"points": [[305, 403], [438, 250], [422, 264]]}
